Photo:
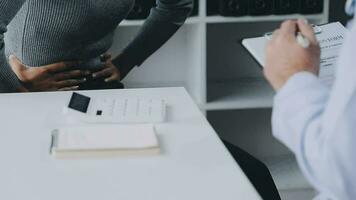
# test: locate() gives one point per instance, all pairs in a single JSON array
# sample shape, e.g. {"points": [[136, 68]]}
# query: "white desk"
{"points": [[193, 165]]}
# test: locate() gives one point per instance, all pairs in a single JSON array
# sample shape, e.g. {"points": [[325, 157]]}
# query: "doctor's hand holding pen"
{"points": [[293, 48]]}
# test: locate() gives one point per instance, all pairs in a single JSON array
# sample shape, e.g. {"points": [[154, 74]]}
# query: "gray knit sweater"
{"points": [[41, 32]]}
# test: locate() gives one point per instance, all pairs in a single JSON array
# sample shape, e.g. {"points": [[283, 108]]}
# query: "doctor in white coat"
{"points": [[316, 122]]}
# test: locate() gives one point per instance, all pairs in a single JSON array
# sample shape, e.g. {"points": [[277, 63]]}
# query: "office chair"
{"points": [[256, 171]]}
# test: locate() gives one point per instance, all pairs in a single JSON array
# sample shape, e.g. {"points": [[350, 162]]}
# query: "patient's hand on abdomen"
{"points": [[61, 76]]}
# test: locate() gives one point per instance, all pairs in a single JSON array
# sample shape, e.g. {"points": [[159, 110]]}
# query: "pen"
{"points": [[302, 40]]}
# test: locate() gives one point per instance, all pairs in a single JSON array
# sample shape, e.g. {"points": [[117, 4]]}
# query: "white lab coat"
{"points": [[319, 125]]}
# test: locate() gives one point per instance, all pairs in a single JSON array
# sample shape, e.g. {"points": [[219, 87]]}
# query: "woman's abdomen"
{"points": [[49, 31]]}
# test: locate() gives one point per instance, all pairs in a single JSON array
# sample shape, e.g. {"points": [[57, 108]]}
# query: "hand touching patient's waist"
{"points": [[96, 73]]}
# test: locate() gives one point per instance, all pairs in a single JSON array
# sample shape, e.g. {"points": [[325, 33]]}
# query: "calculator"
{"points": [[115, 109]]}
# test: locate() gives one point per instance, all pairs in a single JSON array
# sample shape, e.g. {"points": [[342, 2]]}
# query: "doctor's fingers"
{"points": [[307, 30], [288, 30], [275, 34]]}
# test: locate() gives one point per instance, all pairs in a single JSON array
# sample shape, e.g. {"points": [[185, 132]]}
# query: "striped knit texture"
{"points": [[41, 32], [8, 9]]}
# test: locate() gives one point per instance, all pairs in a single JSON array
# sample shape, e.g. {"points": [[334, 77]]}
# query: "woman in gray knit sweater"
{"points": [[48, 45]]}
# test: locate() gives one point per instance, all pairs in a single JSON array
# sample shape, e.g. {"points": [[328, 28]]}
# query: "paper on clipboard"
{"points": [[330, 36]]}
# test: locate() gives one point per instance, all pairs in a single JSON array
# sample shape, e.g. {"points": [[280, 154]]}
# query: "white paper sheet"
{"points": [[330, 38]]}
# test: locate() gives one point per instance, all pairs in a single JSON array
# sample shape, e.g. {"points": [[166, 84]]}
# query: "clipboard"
{"points": [[330, 36]]}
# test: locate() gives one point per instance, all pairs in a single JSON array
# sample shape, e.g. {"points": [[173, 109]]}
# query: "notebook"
{"points": [[330, 36], [104, 141]]}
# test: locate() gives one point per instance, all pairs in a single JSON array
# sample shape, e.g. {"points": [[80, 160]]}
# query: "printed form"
{"points": [[330, 36], [330, 40]]}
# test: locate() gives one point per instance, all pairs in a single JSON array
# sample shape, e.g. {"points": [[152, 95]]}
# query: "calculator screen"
{"points": [[79, 102]]}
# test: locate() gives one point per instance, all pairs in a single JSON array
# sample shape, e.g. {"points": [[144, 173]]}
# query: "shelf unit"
{"points": [[248, 93], [205, 57]]}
